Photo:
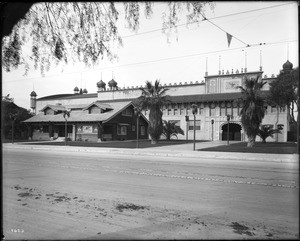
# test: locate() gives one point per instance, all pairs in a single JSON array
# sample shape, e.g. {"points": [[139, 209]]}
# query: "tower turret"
{"points": [[113, 85], [101, 85], [76, 90], [33, 96]]}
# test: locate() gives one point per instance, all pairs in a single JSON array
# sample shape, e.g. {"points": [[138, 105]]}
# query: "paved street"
{"points": [[58, 194]]}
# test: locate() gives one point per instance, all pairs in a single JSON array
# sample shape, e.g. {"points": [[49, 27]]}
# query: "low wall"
{"points": [[36, 135], [87, 137]]}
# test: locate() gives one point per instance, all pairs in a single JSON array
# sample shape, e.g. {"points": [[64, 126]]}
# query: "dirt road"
{"points": [[90, 196]]}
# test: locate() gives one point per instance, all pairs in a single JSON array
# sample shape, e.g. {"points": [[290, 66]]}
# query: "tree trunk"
{"points": [[155, 125], [251, 141]]}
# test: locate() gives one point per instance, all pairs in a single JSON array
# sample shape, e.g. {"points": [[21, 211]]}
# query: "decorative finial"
{"points": [[260, 67], [206, 73]]}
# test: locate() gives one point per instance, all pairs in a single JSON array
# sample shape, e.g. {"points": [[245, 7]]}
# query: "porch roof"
{"points": [[80, 116]]}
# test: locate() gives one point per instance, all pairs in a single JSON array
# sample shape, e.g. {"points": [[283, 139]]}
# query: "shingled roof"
{"points": [[80, 116]]}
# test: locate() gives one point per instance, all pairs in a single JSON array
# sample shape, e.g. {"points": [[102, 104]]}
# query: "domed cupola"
{"points": [[33, 101], [112, 84], [84, 91], [76, 90], [101, 84], [33, 94], [287, 66]]}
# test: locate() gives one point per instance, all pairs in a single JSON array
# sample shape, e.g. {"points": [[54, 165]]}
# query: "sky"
{"points": [[185, 57]]}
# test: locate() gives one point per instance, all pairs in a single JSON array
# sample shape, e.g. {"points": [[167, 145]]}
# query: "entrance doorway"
{"points": [[61, 130], [234, 132]]}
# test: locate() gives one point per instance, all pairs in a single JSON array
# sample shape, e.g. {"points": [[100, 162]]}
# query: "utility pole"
{"points": [[187, 127], [137, 111], [212, 130], [228, 119], [194, 111]]}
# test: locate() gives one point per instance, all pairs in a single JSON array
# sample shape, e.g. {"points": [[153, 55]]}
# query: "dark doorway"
{"points": [[234, 132], [61, 130]]}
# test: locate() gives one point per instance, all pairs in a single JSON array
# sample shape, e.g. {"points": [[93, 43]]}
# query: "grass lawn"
{"points": [[269, 147], [114, 144]]}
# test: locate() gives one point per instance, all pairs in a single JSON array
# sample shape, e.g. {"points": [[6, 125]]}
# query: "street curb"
{"points": [[262, 157]]}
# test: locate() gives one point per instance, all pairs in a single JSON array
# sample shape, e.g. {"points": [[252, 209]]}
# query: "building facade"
{"points": [[94, 122], [216, 98]]}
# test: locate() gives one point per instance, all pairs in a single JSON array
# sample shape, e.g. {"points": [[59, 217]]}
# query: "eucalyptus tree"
{"points": [[63, 32], [284, 91], [153, 97], [253, 110]]}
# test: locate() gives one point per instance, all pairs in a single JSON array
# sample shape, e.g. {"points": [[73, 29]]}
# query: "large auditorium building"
{"points": [[109, 113]]}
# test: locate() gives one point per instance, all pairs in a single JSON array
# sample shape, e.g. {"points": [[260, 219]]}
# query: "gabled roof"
{"points": [[54, 107], [81, 116], [103, 106]]}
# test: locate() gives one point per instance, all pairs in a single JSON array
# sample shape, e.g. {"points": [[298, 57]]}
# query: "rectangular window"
{"points": [[223, 111], [143, 130], [201, 111], [133, 128], [234, 112], [228, 111], [212, 111], [176, 112], [127, 112], [191, 125], [122, 130]]}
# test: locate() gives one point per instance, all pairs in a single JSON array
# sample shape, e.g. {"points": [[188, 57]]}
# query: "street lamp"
{"points": [[137, 111], [228, 119], [187, 127], [212, 130], [66, 115], [194, 111]]}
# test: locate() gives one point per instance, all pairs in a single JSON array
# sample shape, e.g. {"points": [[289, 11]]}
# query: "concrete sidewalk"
{"points": [[178, 151]]}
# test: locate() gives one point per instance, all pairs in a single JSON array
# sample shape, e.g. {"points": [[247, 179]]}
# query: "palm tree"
{"points": [[153, 98], [253, 111], [171, 129], [267, 131], [66, 115]]}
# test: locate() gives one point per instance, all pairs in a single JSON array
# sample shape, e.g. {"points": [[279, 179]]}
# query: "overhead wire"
{"points": [[157, 60], [212, 18], [184, 56]]}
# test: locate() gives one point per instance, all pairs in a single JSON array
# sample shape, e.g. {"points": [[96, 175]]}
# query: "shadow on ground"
{"points": [[271, 148]]}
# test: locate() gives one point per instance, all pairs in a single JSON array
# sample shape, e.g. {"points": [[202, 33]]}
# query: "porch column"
{"points": [[74, 133], [100, 132], [29, 132], [51, 131]]}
